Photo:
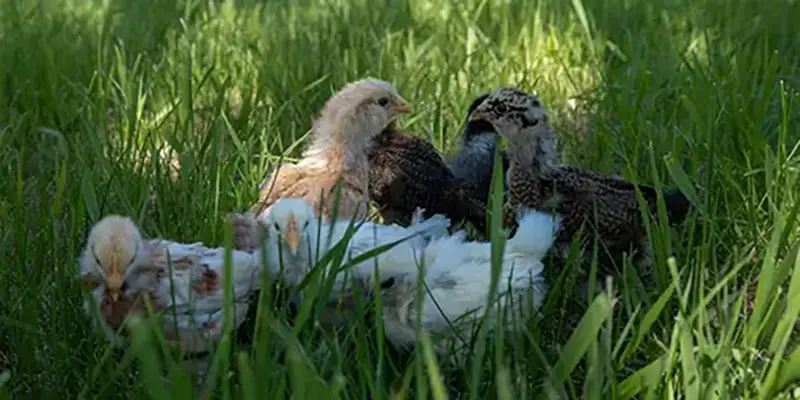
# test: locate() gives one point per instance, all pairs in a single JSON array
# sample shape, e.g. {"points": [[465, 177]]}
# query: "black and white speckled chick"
{"points": [[472, 166]]}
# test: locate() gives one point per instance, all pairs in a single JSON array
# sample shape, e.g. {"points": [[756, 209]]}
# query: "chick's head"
{"points": [[112, 249], [362, 109], [515, 115], [290, 221]]}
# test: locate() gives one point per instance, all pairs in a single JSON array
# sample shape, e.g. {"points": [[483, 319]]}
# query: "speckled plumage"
{"points": [[473, 164], [184, 282], [581, 196], [606, 205], [406, 172]]}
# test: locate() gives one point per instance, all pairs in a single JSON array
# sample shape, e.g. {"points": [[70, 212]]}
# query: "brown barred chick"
{"points": [[536, 179], [406, 173]]}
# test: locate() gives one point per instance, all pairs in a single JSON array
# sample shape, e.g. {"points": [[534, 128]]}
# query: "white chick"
{"points": [[121, 269], [298, 237], [457, 275]]}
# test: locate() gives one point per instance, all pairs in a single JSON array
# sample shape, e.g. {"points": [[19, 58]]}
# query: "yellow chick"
{"points": [[113, 247], [340, 138]]}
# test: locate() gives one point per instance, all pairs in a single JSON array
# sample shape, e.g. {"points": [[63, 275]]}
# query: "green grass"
{"points": [[699, 94]]}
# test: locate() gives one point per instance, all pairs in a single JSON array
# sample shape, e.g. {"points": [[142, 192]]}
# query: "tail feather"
{"points": [[676, 204], [535, 234]]}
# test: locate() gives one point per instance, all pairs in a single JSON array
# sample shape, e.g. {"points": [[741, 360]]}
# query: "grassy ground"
{"points": [[700, 94]]}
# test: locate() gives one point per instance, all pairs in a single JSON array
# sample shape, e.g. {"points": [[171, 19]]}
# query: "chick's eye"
{"points": [[277, 227], [501, 108], [383, 101]]}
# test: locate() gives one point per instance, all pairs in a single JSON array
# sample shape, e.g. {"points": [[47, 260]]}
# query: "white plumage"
{"points": [[122, 270], [301, 239], [457, 275]]}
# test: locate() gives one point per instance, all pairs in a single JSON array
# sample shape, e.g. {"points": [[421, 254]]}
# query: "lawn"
{"points": [[172, 111]]}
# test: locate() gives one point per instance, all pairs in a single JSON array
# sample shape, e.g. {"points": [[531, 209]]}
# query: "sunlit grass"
{"points": [[172, 111]]}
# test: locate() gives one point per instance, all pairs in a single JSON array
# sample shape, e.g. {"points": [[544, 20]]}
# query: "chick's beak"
{"points": [[402, 107], [292, 236], [114, 278], [478, 115]]}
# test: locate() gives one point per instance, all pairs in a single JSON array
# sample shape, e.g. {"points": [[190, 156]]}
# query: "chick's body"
{"points": [[183, 282], [297, 240], [473, 164], [457, 276], [337, 152], [605, 206], [406, 173]]}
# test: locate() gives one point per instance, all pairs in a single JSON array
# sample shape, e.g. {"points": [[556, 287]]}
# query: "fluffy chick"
{"points": [[338, 151], [114, 248], [607, 205], [121, 270], [297, 239], [407, 173], [457, 279], [473, 164]]}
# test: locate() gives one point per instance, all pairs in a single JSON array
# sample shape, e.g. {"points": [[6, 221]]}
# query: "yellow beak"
{"points": [[403, 107], [292, 235], [477, 115], [114, 278]]}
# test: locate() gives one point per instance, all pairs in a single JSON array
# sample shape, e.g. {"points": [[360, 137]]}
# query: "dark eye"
{"points": [[501, 108], [277, 227], [387, 283], [305, 225], [383, 101]]}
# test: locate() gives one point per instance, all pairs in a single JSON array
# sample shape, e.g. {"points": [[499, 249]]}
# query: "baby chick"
{"points": [[121, 270], [473, 164], [297, 239], [338, 151], [113, 246], [406, 173], [537, 180], [457, 279]]}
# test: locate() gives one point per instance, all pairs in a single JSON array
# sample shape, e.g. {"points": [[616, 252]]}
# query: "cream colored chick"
{"points": [[122, 269], [338, 150], [112, 250], [297, 238], [457, 275]]}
